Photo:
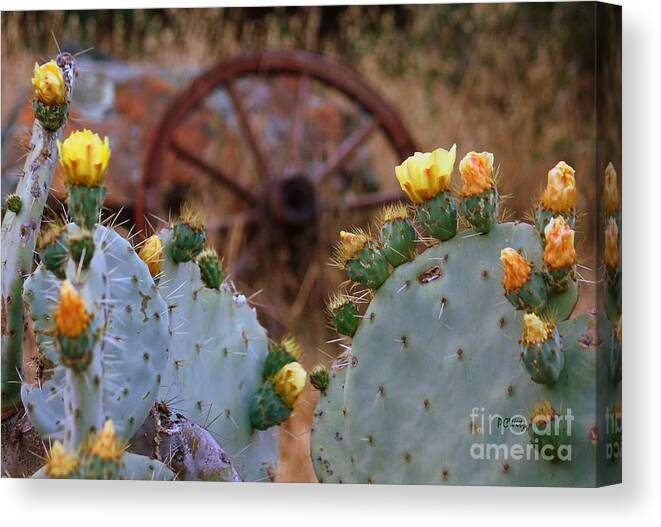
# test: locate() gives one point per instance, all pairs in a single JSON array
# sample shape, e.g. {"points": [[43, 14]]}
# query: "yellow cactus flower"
{"points": [[423, 175], [350, 244], [516, 269], [291, 346], [71, 316], [611, 192], [60, 463], [535, 330], [559, 250], [290, 382], [560, 192], [105, 444], [84, 158], [152, 254], [612, 244], [476, 173], [48, 84]]}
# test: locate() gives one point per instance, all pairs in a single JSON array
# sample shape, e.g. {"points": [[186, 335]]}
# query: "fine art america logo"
{"points": [[549, 433]]}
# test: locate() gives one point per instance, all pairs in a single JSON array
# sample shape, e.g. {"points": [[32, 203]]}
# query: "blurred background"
{"points": [[282, 149]]}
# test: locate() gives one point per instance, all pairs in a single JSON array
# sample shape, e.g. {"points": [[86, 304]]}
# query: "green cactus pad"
{"points": [[217, 354], [438, 216], [559, 279], [267, 409], [531, 296], [439, 343], [81, 247], [133, 351], [54, 255], [186, 242], [549, 434], [51, 117], [398, 239], [368, 267], [345, 318], [84, 204], [481, 210], [544, 360], [328, 442]]}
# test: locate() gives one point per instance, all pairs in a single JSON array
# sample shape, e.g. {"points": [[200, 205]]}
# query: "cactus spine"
{"points": [[20, 228]]}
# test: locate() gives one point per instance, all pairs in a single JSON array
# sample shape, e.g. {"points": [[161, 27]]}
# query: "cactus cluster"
{"points": [[464, 367], [126, 334]]}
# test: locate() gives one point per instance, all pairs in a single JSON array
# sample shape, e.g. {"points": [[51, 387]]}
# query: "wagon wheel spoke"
{"points": [[373, 199], [245, 217], [344, 151], [297, 128], [248, 134], [218, 174]]}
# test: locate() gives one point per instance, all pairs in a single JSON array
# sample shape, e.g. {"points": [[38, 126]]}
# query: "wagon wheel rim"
{"points": [[294, 178]]}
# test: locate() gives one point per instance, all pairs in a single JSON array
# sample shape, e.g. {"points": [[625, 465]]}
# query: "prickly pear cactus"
{"points": [[436, 391], [217, 354], [132, 350]]}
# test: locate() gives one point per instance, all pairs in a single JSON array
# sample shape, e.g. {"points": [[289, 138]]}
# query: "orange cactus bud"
{"points": [[516, 269]]}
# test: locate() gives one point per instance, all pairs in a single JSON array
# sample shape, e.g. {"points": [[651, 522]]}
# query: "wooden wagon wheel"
{"points": [[276, 198]]}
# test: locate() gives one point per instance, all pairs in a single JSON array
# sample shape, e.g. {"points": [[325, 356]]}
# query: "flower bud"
{"points": [[559, 250], [535, 330], [476, 172], [612, 244], [516, 269], [290, 382], [60, 464], [423, 175], [560, 192], [105, 445], [48, 84], [151, 253], [611, 192], [71, 316]]}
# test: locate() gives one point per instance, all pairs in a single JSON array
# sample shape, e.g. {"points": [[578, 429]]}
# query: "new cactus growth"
{"points": [[541, 349], [362, 259], [343, 314], [319, 377], [397, 234], [211, 270], [284, 381], [479, 195], [20, 229], [14, 203], [188, 235], [437, 355]]}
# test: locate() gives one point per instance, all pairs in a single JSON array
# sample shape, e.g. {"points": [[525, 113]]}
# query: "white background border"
{"points": [[137, 503]]}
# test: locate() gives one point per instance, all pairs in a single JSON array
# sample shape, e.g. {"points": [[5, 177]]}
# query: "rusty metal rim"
{"points": [[267, 62]]}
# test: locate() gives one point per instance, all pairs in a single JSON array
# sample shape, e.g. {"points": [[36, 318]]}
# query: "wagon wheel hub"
{"points": [[292, 201]]}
